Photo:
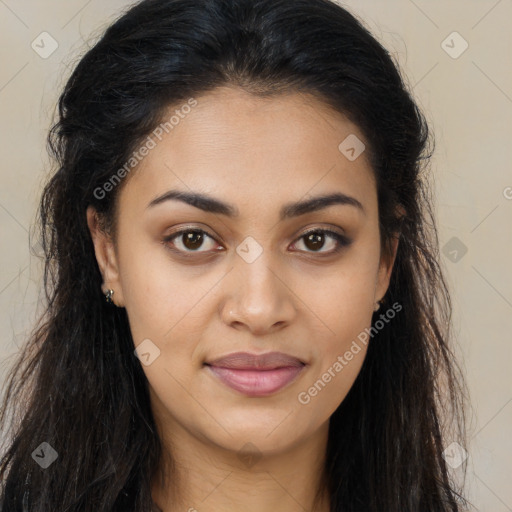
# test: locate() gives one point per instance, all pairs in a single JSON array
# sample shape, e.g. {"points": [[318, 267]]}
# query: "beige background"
{"points": [[468, 101]]}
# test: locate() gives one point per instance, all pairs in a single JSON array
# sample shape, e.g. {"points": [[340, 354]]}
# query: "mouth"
{"points": [[256, 375]]}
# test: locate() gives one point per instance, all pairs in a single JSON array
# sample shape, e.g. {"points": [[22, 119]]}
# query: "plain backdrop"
{"points": [[456, 55]]}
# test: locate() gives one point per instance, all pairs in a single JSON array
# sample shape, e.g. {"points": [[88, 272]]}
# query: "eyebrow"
{"points": [[212, 205]]}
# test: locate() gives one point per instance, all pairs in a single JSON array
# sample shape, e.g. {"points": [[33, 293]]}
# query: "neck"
{"points": [[207, 478]]}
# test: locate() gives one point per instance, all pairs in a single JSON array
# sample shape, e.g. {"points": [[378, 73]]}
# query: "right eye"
{"points": [[187, 240]]}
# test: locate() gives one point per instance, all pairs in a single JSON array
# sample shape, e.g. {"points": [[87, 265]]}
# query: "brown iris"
{"points": [[314, 241], [193, 239]]}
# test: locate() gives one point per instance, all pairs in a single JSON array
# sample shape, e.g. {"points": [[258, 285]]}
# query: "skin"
{"points": [[256, 154]]}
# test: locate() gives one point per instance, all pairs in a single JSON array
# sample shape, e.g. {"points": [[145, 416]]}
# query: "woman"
{"points": [[238, 192]]}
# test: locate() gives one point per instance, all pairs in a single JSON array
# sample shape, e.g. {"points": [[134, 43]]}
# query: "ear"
{"points": [[385, 269], [106, 257], [387, 261]]}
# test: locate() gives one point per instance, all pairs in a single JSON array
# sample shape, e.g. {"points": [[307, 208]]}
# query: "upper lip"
{"points": [[248, 361]]}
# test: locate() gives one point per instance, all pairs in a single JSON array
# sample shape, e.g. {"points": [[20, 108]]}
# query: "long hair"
{"points": [[77, 384]]}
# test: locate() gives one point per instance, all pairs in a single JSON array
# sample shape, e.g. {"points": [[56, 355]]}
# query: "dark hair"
{"points": [[82, 388]]}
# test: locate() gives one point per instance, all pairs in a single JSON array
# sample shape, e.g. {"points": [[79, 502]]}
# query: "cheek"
{"points": [[342, 300], [157, 292], [338, 353], [343, 315], [319, 398]]}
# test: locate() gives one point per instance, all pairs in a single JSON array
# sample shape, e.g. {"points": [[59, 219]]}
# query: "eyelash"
{"points": [[342, 240]]}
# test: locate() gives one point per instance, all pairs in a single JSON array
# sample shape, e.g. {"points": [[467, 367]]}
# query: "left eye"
{"points": [[190, 240], [315, 238]]}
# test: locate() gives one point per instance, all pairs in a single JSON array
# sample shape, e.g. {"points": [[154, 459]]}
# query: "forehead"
{"points": [[253, 152]]}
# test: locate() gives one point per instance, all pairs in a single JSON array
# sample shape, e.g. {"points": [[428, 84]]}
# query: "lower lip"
{"points": [[257, 382]]}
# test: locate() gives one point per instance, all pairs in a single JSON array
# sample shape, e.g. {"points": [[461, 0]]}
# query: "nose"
{"points": [[259, 299]]}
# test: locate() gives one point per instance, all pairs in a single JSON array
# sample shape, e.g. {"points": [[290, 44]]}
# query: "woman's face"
{"points": [[250, 281]]}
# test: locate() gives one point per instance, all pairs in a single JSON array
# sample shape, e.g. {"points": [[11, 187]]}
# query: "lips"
{"points": [[247, 361], [256, 375]]}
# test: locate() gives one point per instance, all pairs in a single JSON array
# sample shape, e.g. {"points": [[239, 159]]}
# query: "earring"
{"points": [[108, 296], [377, 306]]}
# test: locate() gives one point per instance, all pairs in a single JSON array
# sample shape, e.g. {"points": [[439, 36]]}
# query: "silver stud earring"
{"points": [[108, 296]]}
